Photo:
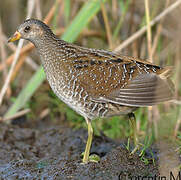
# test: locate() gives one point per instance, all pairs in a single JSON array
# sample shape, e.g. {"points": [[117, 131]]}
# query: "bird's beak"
{"points": [[15, 37]]}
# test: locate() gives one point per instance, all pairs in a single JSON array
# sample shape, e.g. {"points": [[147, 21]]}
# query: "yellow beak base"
{"points": [[15, 37]]}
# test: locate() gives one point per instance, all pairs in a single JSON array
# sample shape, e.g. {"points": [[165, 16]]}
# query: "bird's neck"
{"points": [[52, 51], [47, 46], [45, 43]]}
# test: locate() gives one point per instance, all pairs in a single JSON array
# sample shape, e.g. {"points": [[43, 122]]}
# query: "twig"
{"points": [[143, 29]]}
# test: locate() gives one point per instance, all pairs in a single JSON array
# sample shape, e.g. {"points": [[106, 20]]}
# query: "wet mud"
{"points": [[54, 152]]}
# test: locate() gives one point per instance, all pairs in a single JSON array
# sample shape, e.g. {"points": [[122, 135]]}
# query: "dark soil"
{"points": [[53, 152]]}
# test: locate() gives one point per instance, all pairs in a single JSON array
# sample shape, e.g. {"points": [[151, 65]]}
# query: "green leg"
{"points": [[132, 120], [89, 142]]}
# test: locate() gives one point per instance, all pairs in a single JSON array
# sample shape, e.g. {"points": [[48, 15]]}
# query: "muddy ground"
{"points": [[53, 152]]}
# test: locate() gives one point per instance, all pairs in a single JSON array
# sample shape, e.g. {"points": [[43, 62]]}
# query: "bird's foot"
{"points": [[136, 148], [91, 158]]}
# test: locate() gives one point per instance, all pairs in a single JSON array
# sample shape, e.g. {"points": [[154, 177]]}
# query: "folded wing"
{"points": [[144, 90]]}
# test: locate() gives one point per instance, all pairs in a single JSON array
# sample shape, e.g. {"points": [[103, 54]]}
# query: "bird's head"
{"points": [[31, 29]]}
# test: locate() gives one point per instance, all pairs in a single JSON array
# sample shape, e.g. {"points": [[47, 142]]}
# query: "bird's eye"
{"points": [[26, 29]]}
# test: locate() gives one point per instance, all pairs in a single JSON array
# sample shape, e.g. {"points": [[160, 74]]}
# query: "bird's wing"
{"points": [[143, 90], [109, 77]]}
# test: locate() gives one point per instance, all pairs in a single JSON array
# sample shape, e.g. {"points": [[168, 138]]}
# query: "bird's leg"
{"points": [[132, 120], [89, 142]]}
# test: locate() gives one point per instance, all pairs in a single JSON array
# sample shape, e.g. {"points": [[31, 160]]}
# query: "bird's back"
{"points": [[98, 83]]}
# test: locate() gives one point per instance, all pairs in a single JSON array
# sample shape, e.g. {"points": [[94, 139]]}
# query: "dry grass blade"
{"points": [[38, 9], [17, 115], [149, 38], [2, 50], [25, 49], [151, 110], [114, 9], [3, 90], [3, 57], [177, 126], [32, 63], [108, 30], [17, 67], [158, 32], [177, 84]]}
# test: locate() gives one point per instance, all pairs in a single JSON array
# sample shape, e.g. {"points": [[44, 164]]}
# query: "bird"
{"points": [[93, 82]]}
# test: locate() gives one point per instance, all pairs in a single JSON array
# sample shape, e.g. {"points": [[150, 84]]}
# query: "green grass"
{"points": [[67, 10]]}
